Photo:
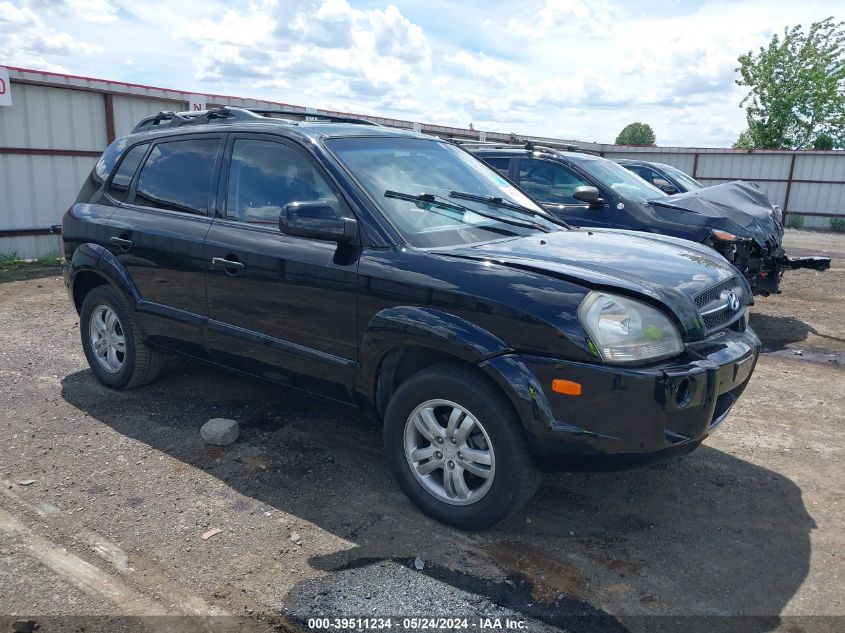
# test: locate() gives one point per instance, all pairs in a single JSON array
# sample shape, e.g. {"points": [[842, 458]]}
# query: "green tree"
{"points": [[823, 141], [636, 134], [796, 88], [744, 141]]}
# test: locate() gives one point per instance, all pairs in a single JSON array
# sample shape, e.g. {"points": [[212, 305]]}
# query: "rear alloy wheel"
{"points": [[113, 345], [457, 447]]}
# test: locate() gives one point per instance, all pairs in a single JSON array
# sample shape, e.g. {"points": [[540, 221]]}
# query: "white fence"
{"points": [[58, 124]]}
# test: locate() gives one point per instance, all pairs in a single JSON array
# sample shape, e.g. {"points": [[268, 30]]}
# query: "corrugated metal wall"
{"points": [[50, 137]]}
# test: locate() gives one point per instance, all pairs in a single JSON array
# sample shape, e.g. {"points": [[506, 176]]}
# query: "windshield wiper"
{"points": [[438, 201], [497, 202], [426, 198]]}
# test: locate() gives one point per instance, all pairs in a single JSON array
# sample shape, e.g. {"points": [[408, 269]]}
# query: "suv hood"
{"points": [[665, 269], [736, 207]]}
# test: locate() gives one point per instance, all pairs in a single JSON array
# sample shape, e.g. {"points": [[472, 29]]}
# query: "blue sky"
{"points": [[567, 68]]}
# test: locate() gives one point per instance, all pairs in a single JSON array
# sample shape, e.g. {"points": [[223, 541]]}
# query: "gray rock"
{"points": [[220, 431], [419, 563]]}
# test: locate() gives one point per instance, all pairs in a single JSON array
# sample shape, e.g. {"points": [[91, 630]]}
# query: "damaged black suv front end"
{"points": [[740, 223]]}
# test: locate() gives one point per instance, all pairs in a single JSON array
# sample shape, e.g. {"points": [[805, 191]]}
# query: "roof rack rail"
{"points": [[168, 119], [528, 144], [332, 118]]}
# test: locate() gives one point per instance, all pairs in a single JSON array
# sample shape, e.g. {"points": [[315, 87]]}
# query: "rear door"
{"points": [[280, 306], [553, 184], [158, 229]]}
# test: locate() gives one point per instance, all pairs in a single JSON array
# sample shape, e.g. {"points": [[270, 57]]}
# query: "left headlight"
{"points": [[625, 331]]}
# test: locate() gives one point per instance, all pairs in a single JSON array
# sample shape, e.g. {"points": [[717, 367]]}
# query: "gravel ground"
{"points": [[105, 496]]}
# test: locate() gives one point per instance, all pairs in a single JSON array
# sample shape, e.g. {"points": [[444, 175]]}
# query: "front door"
{"points": [[157, 234], [553, 184], [280, 306]]}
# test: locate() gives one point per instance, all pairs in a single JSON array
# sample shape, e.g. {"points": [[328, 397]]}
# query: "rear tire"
{"points": [[113, 346], [482, 477]]}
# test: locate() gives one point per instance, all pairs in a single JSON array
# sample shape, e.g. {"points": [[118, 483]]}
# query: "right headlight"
{"points": [[624, 330]]}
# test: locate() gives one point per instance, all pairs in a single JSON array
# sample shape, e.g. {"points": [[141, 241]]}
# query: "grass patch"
{"points": [[795, 221]]}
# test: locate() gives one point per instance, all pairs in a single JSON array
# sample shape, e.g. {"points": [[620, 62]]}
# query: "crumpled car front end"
{"points": [[746, 229]]}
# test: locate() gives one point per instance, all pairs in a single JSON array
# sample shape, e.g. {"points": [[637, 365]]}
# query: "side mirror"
{"points": [[668, 187], [588, 194], [317, 220]]}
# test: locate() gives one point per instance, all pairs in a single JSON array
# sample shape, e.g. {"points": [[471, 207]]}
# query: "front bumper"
{"points": [[635, 415]]}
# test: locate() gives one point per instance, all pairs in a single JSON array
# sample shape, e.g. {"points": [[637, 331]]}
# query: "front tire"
{"points": [[113, 346], [457, 448]]}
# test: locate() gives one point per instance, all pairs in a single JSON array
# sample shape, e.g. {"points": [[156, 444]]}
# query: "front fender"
{"points": [[423, 327], [99, 260]]}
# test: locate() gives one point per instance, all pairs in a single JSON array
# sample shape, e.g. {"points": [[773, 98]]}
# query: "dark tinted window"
{"points": [[107, 161], [499, 164], [177, 175], [265, 176], [650, 176], [549, 182], [119, 185]]}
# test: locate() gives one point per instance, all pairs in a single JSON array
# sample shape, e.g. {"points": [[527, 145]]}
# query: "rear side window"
{"points": [[265, 176], [499, 164], [177, 175], [119, 185]]}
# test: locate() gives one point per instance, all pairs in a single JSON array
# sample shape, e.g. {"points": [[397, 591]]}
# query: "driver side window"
{"points": [[549, 182], [265, 176]]}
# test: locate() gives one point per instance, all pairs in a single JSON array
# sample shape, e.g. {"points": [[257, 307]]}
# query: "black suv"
{"points": [[397, 271], [735, 219]]}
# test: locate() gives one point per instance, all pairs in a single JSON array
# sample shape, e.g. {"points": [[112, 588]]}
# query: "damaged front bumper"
{"points": [[630, 416], [763, 266]]}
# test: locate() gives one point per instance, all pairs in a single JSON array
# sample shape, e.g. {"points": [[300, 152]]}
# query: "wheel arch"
{"points": [[402, 341], [92, 266]]}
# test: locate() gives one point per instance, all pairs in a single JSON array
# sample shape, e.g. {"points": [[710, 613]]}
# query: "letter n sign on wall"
{"points": [[5, 87], [196, 103]]}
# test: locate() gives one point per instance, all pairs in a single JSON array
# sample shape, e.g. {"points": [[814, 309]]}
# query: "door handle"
{"points": [[226, 263], [122, 242]]}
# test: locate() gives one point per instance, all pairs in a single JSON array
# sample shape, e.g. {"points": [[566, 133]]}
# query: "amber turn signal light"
{"points": [[566, 387]]}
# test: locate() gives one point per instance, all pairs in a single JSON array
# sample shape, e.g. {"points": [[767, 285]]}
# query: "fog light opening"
{"points": [[683, 393]]}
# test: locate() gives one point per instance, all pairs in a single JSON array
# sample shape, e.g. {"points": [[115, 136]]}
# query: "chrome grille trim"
{"points": [[714, 310]]}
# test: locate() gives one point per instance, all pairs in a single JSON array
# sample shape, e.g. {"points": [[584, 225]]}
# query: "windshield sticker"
{"points": [[516, 195]]}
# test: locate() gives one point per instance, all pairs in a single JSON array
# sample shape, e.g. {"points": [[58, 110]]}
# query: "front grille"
{"points": [[713, 293], [710, 300]]}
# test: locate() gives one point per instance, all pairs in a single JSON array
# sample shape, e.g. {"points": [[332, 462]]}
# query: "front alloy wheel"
{"points": [[457, 447], [449, 452]]}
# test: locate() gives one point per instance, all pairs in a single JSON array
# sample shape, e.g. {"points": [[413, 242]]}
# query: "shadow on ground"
{"points": [[777, 332], [708, 534]]}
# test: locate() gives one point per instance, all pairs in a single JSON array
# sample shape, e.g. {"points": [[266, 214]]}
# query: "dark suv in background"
{"points": [[735, 219], [665, 177], [397, 271]]}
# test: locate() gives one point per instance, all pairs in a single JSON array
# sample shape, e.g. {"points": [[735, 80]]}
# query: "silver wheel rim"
{"points": [[449, 452], [107, 339]]}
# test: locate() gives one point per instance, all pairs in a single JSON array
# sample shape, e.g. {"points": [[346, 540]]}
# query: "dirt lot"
{"points": [[105, 496]]}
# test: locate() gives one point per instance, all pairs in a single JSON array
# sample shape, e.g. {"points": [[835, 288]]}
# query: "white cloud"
{"points": [[26, 40], [575, 68]]}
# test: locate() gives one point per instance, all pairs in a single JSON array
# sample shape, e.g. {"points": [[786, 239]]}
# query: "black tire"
{"points": [[141, 364], [516, 477]]}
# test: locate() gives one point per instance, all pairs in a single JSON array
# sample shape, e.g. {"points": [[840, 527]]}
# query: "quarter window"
{"points": [[265, 176], [177, 175], [549, 182], [119, 185]]}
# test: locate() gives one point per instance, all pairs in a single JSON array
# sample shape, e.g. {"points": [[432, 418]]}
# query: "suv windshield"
{"points": [[431, 188], [689, 182], [625, 183]]}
